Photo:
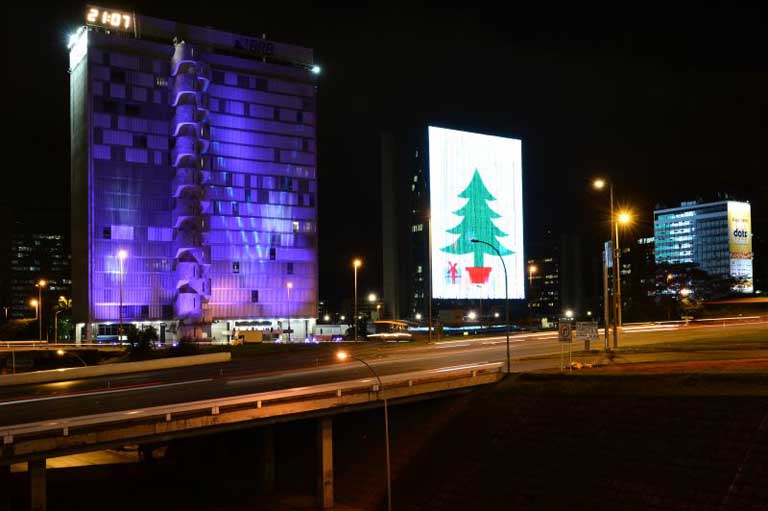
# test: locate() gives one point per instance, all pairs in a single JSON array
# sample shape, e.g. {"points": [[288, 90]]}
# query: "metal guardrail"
{"points": [[214, 405]]}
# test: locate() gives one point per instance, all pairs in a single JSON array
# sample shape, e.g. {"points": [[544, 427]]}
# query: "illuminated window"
{"points": [[295, 226]]}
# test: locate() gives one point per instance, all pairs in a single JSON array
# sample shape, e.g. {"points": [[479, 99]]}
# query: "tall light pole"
{"points": [[34, 303], [121, 256], [357, 263], [56, 325], [506, 290], [288, 287], [623, 218], [40, 285], [343, 355]]}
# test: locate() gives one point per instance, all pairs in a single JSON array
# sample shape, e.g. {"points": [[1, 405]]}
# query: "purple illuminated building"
{"points": [[194, 151]]}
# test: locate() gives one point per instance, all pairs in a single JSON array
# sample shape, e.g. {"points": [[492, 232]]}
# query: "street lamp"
{"points": [[569, 314], [121, 256], [418, 316], [357, 263], [531, 270], [288, 287], [623, 218], [40, 285], [34, 303], [342, 356], [61, 353], [506, 290]]}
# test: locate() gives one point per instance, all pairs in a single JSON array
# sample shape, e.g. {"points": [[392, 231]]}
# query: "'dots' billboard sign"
{"points": [[740, 245], [476, 192]]}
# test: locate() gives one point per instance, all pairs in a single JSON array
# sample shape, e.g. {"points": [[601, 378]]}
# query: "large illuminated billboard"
{"points": [[740, 245], [476, 193]]}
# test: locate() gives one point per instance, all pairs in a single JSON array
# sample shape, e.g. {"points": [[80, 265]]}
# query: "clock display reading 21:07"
{"points": [[109, 18]]}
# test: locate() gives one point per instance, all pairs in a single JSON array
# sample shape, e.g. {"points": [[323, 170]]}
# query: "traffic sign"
{"points": [[566, 332], [586, 331]]}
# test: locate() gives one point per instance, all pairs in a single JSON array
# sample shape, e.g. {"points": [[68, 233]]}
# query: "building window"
{"points": [[295, 226], [107, 233], [117, 76], [289, 268], [272, 253], [235, 209], [133, 110], [236, 267], [255, 296]]}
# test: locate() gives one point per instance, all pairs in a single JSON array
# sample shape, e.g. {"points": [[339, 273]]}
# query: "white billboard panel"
{"points": [[476, 192]]}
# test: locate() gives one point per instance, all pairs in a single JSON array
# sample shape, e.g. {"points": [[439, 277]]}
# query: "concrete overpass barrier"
{"points": [[90, 432], [108, 369]]}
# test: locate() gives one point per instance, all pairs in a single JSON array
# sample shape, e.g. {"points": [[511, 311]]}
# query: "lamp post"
{"points": [[342, 356], [121, 255], [288, 287], [623, 218], [357, 263], [40, 285], [506, 290], [56, 325], [34, 303]]}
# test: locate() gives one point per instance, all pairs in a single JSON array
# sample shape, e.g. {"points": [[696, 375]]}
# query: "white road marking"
{"points": [[102, 392]]}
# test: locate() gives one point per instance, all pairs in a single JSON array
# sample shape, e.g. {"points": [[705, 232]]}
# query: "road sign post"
{"points": [[586, 331], [565, 335]]}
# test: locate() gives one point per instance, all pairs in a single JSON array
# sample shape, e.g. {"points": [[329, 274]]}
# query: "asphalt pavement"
{"points": [[31, 403]]}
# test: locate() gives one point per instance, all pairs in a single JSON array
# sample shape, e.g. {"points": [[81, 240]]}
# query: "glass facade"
{"points": [[703, 234], [197, 157]]}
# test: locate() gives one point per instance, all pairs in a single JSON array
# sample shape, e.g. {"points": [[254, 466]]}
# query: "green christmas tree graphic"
{"points": [[477, 224]]}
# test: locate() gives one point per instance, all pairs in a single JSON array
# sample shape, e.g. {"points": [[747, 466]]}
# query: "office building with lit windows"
{"points": [[194, 152], [714, 236]]}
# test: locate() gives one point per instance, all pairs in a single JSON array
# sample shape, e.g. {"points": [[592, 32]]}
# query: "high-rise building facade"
{"points": [[35, 256], [715, 236], [194, 185]]}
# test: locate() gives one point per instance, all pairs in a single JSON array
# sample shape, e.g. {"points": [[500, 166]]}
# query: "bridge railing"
{"points": [[215, 405]]}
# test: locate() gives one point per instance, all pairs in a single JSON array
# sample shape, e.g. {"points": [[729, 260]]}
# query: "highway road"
{"points": [[49, 401]]}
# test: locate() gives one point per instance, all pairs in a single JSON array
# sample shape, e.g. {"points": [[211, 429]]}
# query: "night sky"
{"points": [[670, 102]]}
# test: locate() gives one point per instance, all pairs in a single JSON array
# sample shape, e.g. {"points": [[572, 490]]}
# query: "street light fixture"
{"points": [[34, 303], [343, 356], [40, 285], [506, 291], [357, 263], [121, 256], [61, 353], [531, 270]]}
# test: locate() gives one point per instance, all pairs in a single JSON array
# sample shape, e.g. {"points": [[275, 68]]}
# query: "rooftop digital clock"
{"points": [[109, 18]]}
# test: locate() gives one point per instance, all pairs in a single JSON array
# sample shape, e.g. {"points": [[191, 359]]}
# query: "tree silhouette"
{"points": [[477, 223]]}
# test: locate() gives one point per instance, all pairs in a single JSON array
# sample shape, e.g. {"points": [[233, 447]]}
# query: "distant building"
{"points": [[638, 280], [193, 156], [405, 203], [556, 278], [37, 254], [715, 236]]}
